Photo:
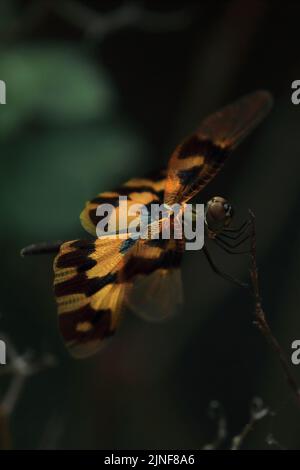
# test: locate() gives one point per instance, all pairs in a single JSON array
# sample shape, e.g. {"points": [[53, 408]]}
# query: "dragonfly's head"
{"points": [[218, 214]]}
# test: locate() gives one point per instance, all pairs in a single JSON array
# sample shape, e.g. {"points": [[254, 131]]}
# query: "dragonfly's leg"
{"points": [[222, 273], [42, 248]]}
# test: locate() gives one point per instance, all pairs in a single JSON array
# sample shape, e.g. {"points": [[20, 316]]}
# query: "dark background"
{"points": [[101, 91]]}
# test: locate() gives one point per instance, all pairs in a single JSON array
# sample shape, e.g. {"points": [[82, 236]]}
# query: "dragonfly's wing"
{"points": [[154, 269], [95, 280], [138, 191], [89, 292], [197, 160]]}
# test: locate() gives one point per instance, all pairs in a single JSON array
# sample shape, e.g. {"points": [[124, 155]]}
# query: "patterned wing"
{"points": [[138, 190], [95, 280], [89, 292], [154, 269], [199, 158]]}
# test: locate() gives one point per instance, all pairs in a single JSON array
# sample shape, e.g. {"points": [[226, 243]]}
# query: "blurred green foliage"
{"points": [[53, 83], [62, 139]]}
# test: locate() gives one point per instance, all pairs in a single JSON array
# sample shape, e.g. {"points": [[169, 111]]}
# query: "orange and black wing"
{"points": [[95, 280], [89, 291], [138, 191], [154, 269], [199, 158]]}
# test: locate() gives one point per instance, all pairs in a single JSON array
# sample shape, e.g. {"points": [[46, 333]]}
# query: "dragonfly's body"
{"points": [[95, 280]]}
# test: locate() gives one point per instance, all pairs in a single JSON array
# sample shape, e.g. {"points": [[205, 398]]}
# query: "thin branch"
{"points": [[258, 412], [262, 323], [20, 367], [217, 413], [272, 442], [98, 25]]}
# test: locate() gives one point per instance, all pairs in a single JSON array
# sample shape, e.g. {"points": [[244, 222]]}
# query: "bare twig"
{"points": [[217, 413], [262, 323], [258, 412], [272, 442], [98, 25], [20, 367]]}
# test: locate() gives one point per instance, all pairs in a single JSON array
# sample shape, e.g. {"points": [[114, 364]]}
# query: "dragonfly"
{"points": [[96, 280]]}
